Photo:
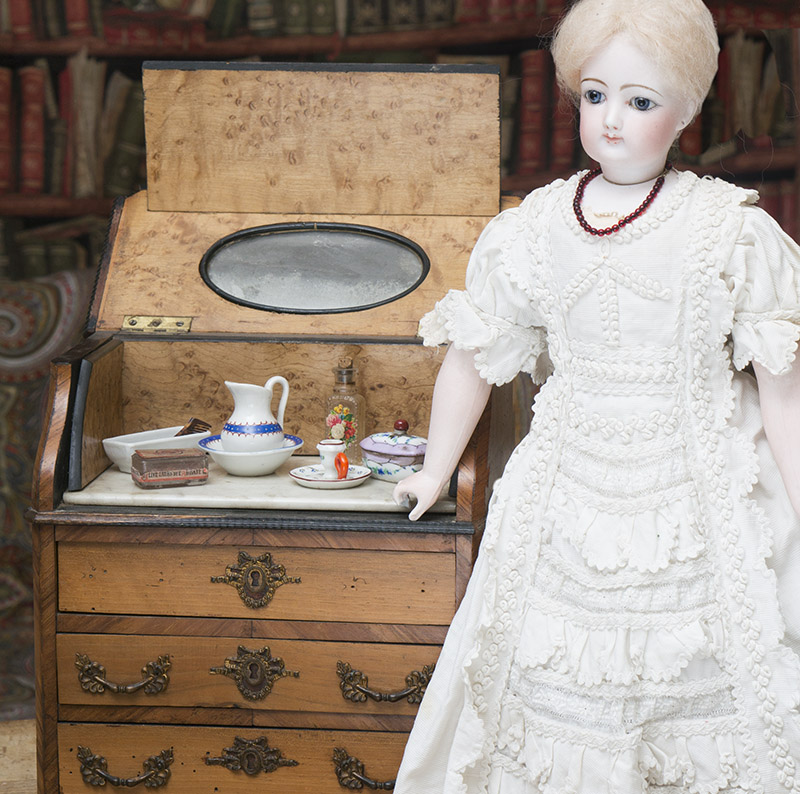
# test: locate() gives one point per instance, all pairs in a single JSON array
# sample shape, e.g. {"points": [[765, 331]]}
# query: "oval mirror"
{"points": [[314, 268]]}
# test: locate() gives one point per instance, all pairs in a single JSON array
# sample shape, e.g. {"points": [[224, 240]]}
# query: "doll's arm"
{"points": [[779, 396], [459, 397]]}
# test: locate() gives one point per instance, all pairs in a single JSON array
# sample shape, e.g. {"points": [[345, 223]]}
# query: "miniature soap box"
{"points": [[164, 468]]}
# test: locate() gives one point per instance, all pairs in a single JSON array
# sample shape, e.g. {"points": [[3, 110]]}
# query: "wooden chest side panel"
{"points": [[167, 382], [154, 270], [336, 584], [102, 410], [125, 747], [316, 688], [263, 140]]}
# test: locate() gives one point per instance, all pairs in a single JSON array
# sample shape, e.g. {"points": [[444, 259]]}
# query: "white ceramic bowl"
{"points": [[121, 448], [250, 464]]}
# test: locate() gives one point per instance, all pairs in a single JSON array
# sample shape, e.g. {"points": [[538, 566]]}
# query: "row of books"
{"points": [[75, 134], [27, 253], [186, 24], [752, 104]]}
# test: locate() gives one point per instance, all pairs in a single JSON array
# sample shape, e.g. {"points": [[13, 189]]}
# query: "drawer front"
{"points": [[307, 584], [284, 675], [130, 751]]}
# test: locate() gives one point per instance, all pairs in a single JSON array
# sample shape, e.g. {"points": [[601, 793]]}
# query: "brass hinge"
{"points": [[148, 324]]}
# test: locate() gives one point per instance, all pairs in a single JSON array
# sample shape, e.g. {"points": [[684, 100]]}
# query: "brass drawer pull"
{"points": [[251, 757], [350, 772], [156, 770], [92, 677], [355, 685], [256, 578], [254, 672]]}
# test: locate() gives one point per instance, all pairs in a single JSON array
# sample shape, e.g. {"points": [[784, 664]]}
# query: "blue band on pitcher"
{"points": [[252, 430]]}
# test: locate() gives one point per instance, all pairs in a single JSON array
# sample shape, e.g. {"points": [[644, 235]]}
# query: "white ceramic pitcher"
{"points": [[252, 427]]}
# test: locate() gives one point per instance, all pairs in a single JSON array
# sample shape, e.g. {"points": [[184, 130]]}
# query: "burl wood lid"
{"points": [[322, 138], [411, 151]]}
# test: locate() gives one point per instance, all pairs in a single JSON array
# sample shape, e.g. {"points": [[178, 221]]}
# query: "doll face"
{"points": [[629, 113]]}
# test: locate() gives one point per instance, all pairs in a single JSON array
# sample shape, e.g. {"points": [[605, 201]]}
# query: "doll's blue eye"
{"points": [[642, 103], [594, 96]]}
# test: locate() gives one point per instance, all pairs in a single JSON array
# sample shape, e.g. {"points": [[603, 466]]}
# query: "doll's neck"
{"points": [[604, 196]]}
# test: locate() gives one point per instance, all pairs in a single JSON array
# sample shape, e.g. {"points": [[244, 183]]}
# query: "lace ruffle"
{"points": [[646, 541], [772, 342], [503, 348], [615, 654], [555, 762]]}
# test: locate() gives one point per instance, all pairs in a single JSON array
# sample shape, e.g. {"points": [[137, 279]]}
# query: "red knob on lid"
{"points": [[401, 425]]}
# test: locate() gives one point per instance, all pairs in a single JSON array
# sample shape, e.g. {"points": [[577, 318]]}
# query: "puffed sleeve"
{"points": [[764, 278], [494, 315]]}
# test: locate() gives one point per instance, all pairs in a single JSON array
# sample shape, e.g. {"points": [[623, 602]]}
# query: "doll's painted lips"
{"points": [[612, 138]]}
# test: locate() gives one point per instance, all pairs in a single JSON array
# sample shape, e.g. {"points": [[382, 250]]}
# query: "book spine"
{"points": [[58, 151], [769, 199], [124, 163], [96, 17], [226, 16], [296, 17], [65, 112], [789, 219], [691, 141], [403, 14], [5, 20], [322, 17], [77, 17], [526, 9], [563, 133], [262, 17], [21, 18], [437, 13], [366, 16], [32, 258], [470, 12], [531, 151], [54, 25], [6, 131], [31, 130], [500, 10]]}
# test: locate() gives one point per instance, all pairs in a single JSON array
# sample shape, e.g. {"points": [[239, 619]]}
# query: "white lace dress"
{"points": [[633, 620]]}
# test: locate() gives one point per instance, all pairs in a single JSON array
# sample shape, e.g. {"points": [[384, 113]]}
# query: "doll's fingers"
{"points": [[400, 495]]}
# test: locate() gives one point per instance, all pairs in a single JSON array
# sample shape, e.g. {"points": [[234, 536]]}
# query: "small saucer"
{"points": [[314, 477]]}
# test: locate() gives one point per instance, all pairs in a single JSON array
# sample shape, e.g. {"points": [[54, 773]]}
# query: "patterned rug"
{"points": [[39, 319]]}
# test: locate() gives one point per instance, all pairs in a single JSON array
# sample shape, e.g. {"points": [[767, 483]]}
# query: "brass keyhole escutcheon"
{"points": [[256, 578], [254, 672], [251, 756]]}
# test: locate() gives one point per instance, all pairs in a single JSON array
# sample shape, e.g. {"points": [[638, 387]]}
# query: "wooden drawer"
{"points": [[318, 687], [342, 585], [127, 748]]}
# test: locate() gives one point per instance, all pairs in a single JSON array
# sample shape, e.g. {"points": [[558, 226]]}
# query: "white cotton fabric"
{"points": [[632, 622]]}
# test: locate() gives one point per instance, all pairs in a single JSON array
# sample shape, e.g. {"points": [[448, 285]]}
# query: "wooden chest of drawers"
{"points": [[151, 646], [230, 649]]}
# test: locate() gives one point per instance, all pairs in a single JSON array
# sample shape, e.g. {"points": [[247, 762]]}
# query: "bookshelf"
{"points": [[507, 38]]}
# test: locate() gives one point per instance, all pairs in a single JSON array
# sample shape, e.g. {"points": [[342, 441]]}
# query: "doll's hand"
{"points": [[424, 488]]}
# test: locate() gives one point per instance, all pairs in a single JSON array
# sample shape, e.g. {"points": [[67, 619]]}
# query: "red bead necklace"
{"points": [[588, 177]]}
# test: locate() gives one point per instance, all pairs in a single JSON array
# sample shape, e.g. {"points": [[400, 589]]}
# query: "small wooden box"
{"points": [[165, 468], [356, 601]]}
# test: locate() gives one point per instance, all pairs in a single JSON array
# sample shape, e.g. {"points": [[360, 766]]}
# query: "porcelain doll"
{"points": [[630, 623]]}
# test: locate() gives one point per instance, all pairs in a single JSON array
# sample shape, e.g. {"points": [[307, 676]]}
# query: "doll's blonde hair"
{"points": [[679, 35]]}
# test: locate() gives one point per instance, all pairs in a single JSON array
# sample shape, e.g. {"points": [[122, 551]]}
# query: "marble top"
{"points": [[276, 491]]}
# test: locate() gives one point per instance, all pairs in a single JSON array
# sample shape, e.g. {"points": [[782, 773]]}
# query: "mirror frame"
{"points": [[301, 226]]}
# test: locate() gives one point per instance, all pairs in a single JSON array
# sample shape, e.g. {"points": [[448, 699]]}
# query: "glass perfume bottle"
{"points": [[345, 410]]}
